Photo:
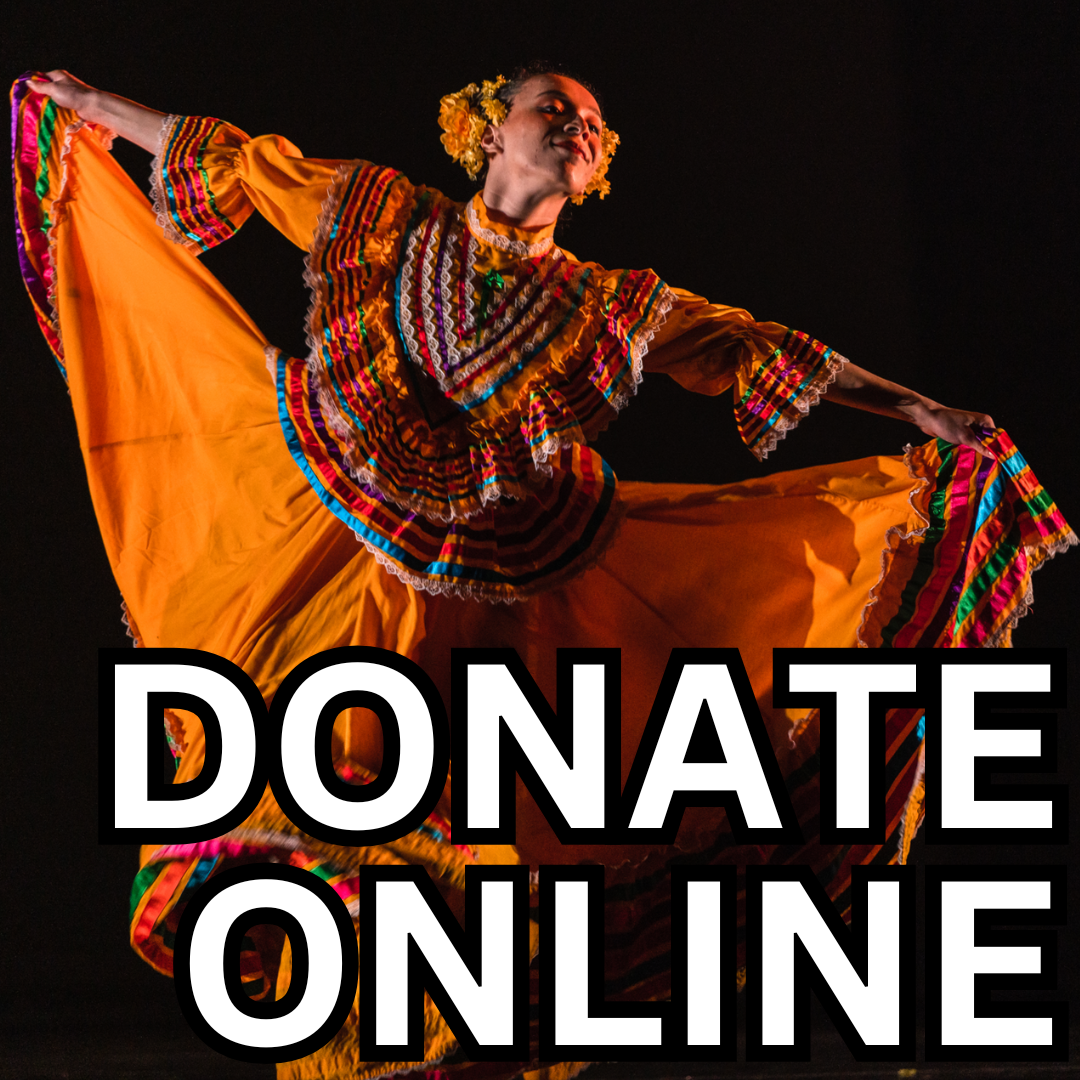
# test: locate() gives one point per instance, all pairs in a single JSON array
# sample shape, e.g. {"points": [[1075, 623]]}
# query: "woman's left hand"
{"points": [[953, 425]]}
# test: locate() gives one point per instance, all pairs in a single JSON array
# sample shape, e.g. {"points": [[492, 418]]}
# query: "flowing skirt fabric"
{"points": [[218, 542]]}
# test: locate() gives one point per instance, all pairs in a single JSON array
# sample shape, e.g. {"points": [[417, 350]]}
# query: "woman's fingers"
{"points": [[49, 81], [960, 427], [969, 438], [63, 88]]}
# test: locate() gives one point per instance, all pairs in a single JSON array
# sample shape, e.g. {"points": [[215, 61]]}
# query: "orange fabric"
{"points": [[218, 542], [708, 348], [689, 569]]}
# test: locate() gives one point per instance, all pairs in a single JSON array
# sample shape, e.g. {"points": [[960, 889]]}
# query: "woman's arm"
{"points": [[210, 175], [777, 374], [128, 119], [861, 389]]}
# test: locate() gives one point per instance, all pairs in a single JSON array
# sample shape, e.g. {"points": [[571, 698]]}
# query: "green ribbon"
{"points": [[490, 284]]}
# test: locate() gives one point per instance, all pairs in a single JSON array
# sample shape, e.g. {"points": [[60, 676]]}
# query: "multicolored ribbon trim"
{"points": [[964, 579]]}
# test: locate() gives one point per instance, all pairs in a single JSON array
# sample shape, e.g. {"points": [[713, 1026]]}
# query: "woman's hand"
{"points": [[69, 92], [128, 119], [863, 389], [953, 425]]}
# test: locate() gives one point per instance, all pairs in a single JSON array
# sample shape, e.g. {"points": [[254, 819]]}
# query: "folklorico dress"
{"points": [[430, 453]]}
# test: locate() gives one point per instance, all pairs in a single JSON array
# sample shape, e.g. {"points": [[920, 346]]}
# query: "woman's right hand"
{"points": [[69, 92], [128, 119]]}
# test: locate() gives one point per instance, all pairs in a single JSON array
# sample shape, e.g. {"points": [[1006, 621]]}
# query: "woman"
{"points": [[459, 363]]}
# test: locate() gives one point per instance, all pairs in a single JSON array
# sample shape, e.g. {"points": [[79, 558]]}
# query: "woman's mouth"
{"points": [[572, 147]]}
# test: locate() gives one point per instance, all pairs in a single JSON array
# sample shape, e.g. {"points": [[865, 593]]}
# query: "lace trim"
{"points": [[1002, 638], [836, 364], [639, 347], [913, 804], [317, 292], [504, 243], [271, 354], [429, 585], [526, 297], [129, 625], [897, 533], [158, 199]]}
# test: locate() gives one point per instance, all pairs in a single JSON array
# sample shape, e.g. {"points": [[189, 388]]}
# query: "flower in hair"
{"points": [[599, 182], [463, 117]]}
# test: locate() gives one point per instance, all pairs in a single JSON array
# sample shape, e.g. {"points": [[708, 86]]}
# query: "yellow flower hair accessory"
{"points": [[599, 181], [464, 115]]}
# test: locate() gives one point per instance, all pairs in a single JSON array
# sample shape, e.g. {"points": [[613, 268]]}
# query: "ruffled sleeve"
{"points": [[209, 176], [776, 373]]}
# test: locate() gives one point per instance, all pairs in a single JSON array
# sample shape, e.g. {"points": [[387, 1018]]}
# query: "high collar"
{"points": [[531, 242]]}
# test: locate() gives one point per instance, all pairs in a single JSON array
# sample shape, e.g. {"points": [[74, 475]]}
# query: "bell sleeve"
{"points": [[209, 176], [776, 373]]}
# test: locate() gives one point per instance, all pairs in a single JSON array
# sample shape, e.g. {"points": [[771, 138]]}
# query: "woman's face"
{"points": [[550, 138]]}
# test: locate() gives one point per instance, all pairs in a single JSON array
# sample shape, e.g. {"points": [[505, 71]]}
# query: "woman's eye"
{"points": [[594, 129]]}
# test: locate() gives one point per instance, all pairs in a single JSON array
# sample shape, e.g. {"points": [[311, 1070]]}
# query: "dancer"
{"points": [[431, 452]]}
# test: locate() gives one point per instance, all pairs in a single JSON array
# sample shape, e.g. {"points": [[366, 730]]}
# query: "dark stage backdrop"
{"points": [[896, 179]]}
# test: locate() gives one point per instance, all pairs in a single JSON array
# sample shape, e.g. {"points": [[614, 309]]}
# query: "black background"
{"points": [[897, 179]]}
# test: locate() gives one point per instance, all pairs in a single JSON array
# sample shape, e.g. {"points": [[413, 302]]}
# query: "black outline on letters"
{"points": [[789, 831], [1046, 722], [440, 763], [559, 726], [266, 1009], [421, 976], [854, 942], [1013, 927], [156, 789], [825, 702]]}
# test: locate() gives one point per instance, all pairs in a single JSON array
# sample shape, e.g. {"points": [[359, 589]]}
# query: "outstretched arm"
{"points": [[128, 119], [863, 389], [778, 374], [210, 175]]}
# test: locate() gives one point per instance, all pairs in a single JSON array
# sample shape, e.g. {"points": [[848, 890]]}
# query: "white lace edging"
{"points": [[428, 585], [835, 364], [897, 533], [158, 199], [639, 347], [129, 625], [426, 272], [903, 840], [271, 354], [1024, 607], [504, 243]]}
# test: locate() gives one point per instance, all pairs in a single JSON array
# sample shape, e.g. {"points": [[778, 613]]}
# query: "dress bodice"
{"points": [[457, 368]]}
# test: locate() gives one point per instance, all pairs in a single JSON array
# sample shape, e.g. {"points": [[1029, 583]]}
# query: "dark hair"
{"points": [[524, 72]]}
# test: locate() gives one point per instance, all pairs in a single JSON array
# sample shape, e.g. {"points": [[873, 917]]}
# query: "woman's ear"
{"points": [[491, 140]]}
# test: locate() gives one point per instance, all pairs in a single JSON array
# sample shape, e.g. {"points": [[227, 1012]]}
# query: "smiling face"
{"points": [[550, 140]]}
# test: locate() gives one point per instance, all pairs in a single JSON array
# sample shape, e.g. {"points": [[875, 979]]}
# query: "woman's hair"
{"points": [[524, 72]]}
